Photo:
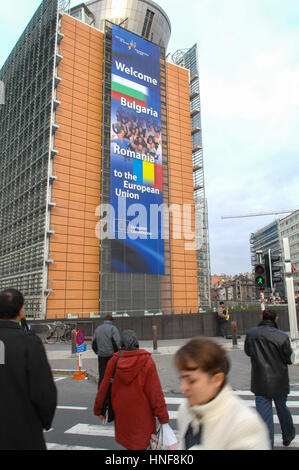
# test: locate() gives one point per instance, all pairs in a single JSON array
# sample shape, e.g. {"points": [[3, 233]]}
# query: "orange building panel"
{"points": [[74, 275], [183, 264]]}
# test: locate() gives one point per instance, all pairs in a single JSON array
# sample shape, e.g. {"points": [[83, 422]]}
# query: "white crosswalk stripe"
{"points": [[53, 446], [92, 430], [107, 431]]}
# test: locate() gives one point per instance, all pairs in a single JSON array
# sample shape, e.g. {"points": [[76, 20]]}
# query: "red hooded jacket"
{"points": [[137, 398]]}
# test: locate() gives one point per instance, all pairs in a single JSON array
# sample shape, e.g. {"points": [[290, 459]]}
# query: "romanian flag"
{"points": [[149, 174], [131, 91]]}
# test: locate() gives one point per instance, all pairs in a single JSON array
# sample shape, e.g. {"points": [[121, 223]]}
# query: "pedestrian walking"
{"points": [[213, 417], [223, 317], [270, 352], [137, 397], [106, 341], [28, 395]]}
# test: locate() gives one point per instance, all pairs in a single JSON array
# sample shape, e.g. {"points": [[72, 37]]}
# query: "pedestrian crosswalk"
{"points": [[76, 436]]}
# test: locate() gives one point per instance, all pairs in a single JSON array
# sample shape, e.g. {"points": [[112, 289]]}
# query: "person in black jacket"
{"points": [[106, 341], [28, 394], [270, 352]]}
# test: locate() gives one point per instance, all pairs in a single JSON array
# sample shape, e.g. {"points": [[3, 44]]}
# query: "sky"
{"points": [[249, 76]]}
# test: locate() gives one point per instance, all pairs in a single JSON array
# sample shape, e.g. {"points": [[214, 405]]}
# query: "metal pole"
{"points": [[270, 269], [289, 283], [292, 307], [155, 339], [234, 334], [263, 306], [73, 343]]}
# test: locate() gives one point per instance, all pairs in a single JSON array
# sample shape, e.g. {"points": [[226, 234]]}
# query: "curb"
{"points": [[66, 371], [90, 374]]}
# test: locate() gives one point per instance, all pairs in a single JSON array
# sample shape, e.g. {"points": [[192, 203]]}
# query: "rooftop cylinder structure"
{"points": [[143, 17]]}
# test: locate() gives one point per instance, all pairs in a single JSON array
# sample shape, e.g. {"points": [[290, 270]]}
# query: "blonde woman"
{"points": [[213, 417]]}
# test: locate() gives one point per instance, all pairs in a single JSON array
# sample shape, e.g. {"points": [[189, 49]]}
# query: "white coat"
{"points": [[228, 424]]}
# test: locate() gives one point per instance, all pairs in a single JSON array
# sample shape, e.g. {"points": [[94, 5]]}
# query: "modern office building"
{"points": [[289, 228], [96, 129], [188, 58]]}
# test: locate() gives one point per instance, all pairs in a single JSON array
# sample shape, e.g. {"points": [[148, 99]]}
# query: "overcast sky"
{"points": [[249, 78]]}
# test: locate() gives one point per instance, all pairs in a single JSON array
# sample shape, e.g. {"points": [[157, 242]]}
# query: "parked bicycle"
{"points": [[59, 331]]}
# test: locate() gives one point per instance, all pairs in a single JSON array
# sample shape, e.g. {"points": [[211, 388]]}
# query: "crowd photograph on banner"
{"points": [[137, 133]]}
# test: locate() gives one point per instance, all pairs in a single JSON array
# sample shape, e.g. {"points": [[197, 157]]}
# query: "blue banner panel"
{"points": [[136, 189]]}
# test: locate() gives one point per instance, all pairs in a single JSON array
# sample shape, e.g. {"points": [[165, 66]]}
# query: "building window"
{"points": [[77, 14], [147, 23]]}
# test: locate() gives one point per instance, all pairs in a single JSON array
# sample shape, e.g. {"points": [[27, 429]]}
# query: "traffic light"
{"points": [[259, 271], [275, 270], [271, 269]]}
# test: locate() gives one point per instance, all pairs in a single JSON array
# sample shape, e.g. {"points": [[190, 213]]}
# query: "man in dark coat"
{"points": [[28, 395], [270, 351], [106, 342]]}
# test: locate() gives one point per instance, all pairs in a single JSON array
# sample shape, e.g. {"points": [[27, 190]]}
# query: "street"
{"points": [[76, 428]]}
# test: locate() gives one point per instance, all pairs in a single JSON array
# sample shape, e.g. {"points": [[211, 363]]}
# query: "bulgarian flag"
{"points": [[131, 91]]}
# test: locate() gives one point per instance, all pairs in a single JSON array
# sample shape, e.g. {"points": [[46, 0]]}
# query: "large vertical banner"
{"points": [[136, 189]]}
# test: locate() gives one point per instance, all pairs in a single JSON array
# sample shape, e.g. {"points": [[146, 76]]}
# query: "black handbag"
{"points": [[107, 410]]}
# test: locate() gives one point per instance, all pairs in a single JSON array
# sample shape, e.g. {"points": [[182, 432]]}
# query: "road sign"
{"points": [[80, 337], [80, 348]]}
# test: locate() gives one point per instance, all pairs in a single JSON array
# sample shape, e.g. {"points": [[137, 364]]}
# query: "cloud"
{"points": [[250, 138]]}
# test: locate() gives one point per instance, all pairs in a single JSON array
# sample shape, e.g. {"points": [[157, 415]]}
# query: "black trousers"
{"points": [[223, 326], [103, 361]]}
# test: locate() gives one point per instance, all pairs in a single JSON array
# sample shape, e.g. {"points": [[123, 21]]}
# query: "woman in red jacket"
{"points": [[137, 397]]}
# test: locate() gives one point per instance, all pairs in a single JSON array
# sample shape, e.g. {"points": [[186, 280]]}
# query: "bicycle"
{"points": [[59, 331], [67, 335]]}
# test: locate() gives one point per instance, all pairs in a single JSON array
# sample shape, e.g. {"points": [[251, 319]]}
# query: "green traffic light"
{"points": [[260, 281]]}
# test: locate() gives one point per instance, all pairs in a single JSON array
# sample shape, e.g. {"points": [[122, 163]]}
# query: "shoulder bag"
{"points": [[107, 410]]}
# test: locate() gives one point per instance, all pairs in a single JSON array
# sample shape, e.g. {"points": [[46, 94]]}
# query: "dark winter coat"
{"points": [[137, 398], [270, 351], [28, 394], [106, 340]]}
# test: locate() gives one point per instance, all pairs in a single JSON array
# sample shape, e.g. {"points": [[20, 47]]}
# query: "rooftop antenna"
{"points": [[123, 21], [65, 5], [257, 214]]}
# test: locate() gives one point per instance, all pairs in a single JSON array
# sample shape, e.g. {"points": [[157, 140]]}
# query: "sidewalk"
{"points": [[63, 362]]}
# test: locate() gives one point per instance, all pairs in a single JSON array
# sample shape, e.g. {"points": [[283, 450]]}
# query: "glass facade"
{"points": [[188, 58], [25, 142]]}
